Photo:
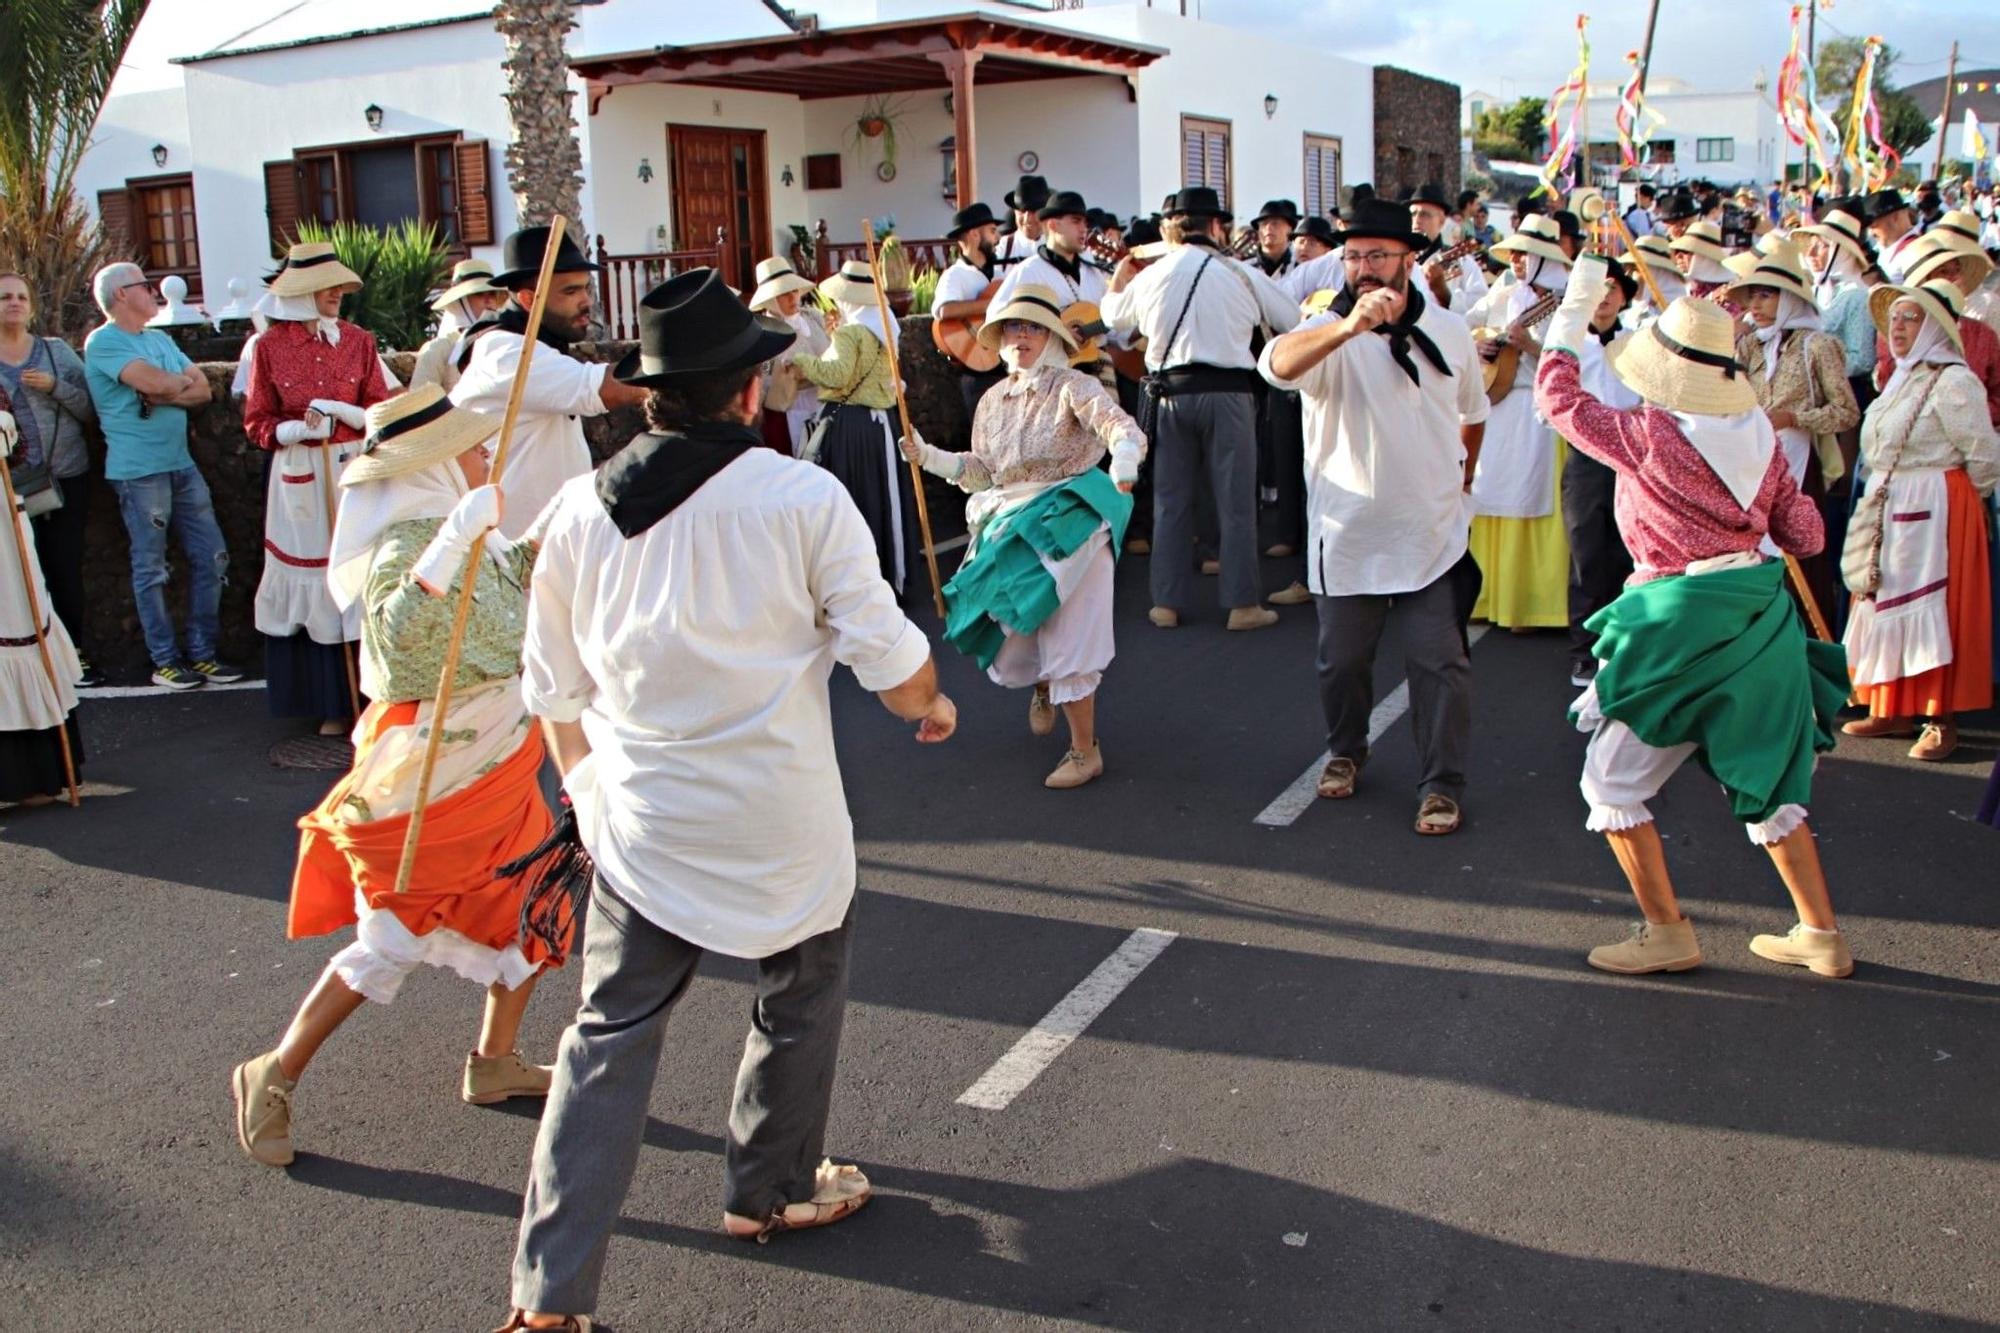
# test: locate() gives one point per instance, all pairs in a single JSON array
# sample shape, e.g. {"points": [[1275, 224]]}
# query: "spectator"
{"points": [[1639, 217], [143, 386], [44, 379]]}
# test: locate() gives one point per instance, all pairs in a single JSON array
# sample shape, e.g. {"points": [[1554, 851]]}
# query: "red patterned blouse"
{"points": [[291, 365]]}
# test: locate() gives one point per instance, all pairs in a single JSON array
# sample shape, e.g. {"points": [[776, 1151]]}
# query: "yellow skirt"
{"points": [[1525, 563]]}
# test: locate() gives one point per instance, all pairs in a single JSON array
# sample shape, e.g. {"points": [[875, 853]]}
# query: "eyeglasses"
{"points": [[1370, 257], [146, 283], [1014, 326]]}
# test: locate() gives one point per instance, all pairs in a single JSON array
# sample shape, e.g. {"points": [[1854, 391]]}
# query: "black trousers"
{"points": [[972, 386], [1598, 561], [59, 548]]}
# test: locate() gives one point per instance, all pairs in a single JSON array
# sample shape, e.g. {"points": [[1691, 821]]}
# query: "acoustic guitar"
{"points": [[1436, 266], [1502, 369], [959, 338]]}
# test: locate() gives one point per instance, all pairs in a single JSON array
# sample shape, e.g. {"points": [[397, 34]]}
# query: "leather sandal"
{"points": [[1437, 816], [1337, 779], [839, 1191], [571, 1323]]}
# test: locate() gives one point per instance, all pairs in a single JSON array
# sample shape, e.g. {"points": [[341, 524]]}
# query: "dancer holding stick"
{"points": [[903, 415], [59, 701]]}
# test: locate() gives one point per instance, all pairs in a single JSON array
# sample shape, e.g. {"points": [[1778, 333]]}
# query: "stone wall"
{"points": [[234, 469], [1416, 133]]}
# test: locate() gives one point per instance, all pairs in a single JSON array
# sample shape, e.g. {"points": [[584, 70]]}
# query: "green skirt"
{"points": [[1721, 660], [1003, 584]]}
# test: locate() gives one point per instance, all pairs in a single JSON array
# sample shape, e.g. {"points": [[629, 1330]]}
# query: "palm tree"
{"points": [[544, 164], [57, 59]]}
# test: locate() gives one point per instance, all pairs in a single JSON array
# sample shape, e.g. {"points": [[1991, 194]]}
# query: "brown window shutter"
{"points": [[281, 203], [114, 218], [475, 206]]}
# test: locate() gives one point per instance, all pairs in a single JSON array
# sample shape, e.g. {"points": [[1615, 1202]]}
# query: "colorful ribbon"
{"points": [[1805, 121], [1561, 133], [1874, 162], [1636, 121]]}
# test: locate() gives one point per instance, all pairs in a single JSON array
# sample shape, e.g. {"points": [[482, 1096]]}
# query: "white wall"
{"points": [[245, 111], [1746, 118], [121, 146]]}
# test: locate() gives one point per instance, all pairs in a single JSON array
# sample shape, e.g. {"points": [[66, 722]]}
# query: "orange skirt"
{"points": [[1965, 684], [465, 836]]}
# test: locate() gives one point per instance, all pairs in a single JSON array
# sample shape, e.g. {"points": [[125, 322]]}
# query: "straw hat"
{"points": [[1538, 235], [469, 277], [775, 277], [1742, 262], [1703, 238], [1939, 299], [1781, 270], [1653, 252], [311, 266], [1960, 224], [1034, 303], [1685, 361], [853, 284], [1842, 230], [1935, 248], [413, 430]]}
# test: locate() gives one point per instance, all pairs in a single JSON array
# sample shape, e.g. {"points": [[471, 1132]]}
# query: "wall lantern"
{"points": [[950, 107], [645, 170], [1270, 105], [374, 116], [159, 155], [786, 178], [949, 147]]}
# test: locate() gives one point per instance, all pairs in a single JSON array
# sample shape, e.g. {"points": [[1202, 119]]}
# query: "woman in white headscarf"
{"points": [[1798, 371], [854, 437], [1518, 537], [1837, 253], [1699, 254], [1920, 632], [459, 306], [789, 403]]}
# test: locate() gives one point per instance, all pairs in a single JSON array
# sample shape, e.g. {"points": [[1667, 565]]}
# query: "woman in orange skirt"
{"points": [[1920, 635], [415, 508]]}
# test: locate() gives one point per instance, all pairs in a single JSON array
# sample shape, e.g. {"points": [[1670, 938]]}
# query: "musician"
{"points": [[1599, 564], [1316, 266], [1281, 444], [1454, 285], [1058, 263], [1313, 238], [1653, 252], [1025, 201], [962, 289], [1198, 309], [1274, 224], [1108, 228]]}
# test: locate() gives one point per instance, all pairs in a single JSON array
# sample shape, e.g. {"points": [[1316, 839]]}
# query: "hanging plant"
{"points": [[880, 115]]}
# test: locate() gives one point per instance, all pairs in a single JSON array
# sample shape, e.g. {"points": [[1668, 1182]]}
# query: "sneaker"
{"points": [[490, 1079], [1297, 594], [1650, 948], [218, 673], [90, 677], [1824, 951], [263, 1110], [177, 677]]}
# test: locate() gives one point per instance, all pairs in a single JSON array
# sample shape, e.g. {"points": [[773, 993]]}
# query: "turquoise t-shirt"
{"points": [[135, 446]]}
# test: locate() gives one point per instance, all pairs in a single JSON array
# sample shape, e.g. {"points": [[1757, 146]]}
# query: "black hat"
{"points": [[1882, 203], [965, 219], [1679, 206], [1196, 201], [1029, 193], [1319, 229], [1528, 206], [1281, 210], [1101, 219], [1430, 192], [1063, 204], [521, 258], [1360, 192], [1143, 231], [1378, 219], [692, 324]]}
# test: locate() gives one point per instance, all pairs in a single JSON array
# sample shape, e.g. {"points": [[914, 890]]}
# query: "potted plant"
{"points": [[880, 114]]}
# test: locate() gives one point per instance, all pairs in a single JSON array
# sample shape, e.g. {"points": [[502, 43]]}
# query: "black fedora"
{"points": [[1196, 201], [1430, 192], [1142, 231], [1884, 203], [1319, 229], [1029, 193], [965, 219], [1101, 219], [692, 324], [1678, 206], [1064, 204], [1280, 210], [1378, 219], [521, 258]]}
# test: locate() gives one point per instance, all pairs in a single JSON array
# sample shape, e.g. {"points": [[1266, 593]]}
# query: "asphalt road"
{"points": [[1368, 1084]]}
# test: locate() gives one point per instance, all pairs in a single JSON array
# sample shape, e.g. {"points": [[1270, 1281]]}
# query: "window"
{"points": [[439, 180], [1715, 150], [1322, 192], [1205, 155], [152, 220], [1661, 152]]}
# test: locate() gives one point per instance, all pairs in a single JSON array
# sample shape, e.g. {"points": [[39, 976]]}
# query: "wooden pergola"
{"points": [[937, 53]]}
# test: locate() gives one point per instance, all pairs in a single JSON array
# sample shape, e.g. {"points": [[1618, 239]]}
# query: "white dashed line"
{"points": [[153, 691]]}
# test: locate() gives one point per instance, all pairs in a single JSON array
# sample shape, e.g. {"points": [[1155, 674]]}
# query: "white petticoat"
{"points": [[384, 952], [1073, 646], [1905, 629]]}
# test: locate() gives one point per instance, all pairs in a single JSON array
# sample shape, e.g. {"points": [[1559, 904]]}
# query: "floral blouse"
{"points": [[405, 629], [1042, 427], [1810, 383], [291, 365], [1950, 429]]}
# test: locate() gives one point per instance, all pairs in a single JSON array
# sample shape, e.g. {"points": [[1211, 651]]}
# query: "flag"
{"points": [[1973, 145]]}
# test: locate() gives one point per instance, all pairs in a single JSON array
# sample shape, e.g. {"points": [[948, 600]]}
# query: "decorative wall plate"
{"points": [[1028, 161], [885, 172]]}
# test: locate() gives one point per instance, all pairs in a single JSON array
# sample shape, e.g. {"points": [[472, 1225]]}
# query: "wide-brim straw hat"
{"points": [[412, 431], [1781, 270], [1703, 238], [853, 284], [1685, 361], [1538, 235], [1651, 251], [1935, 248], [469, 277], [1939, 299], [1961, 224], [775, 277], [1843, 230], [1034, 303], [311, 266]]}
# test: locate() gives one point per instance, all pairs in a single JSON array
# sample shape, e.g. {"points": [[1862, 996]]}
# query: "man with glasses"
{"points": [[1395, 410], [143, 386]]}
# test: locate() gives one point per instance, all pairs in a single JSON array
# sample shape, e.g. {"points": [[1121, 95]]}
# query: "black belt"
{"points": [[1196, 377]]}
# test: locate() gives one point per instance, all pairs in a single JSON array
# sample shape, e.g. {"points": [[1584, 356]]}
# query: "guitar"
{"points": [[1502, 369], [1087, 322], [959, 338], [1439, 264]]}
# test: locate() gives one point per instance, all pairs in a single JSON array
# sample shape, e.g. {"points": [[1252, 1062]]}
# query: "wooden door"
{"points": [[717, 179]]}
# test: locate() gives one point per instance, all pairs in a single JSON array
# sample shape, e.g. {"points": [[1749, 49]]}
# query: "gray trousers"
{"points": [[1216, 432], [1436, 659], [595, 1122]]}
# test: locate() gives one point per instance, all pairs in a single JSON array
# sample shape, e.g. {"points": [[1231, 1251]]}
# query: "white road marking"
{"points": [[1296, 799], [152, 691], [1013, 1072]]}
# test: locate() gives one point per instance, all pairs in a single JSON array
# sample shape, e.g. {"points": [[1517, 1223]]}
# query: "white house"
{"points": [[1729, 137]]}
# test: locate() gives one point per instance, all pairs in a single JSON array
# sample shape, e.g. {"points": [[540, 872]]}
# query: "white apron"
{"points": [[1904, 630], [293, 594], [29, 700]]}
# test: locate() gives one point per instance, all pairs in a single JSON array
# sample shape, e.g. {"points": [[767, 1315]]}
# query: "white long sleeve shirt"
{"points": [[548, 446], [1230, 304]]}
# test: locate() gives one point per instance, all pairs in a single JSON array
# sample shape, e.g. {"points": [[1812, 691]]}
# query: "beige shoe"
{"points": [[1296, 595], [1825, 952], [1164, 616], [1211, 567], [490, 1079], [1077, 767], [263, 1110], [1280, 550], [1651, 948], [1138, 546], [1870, 727], [1252, 617], [1936, 741], [1337, 779], [1041, 713]]}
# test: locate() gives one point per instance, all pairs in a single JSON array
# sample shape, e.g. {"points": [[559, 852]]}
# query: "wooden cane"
{"points": [[903, 411], [466, 578], [35, 614], [346, 657]]}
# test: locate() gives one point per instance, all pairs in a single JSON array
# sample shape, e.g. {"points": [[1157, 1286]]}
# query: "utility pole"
{"points": [[1805, 171], [1646, 64], [1944, 116]]}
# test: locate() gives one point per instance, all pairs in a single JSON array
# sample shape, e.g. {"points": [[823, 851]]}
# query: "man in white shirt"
{"points": [[1639, 217], [961, 291], [1025, 201], [1198, 309], [1458, 284], [1893, 225], [1394, 412], [548, 447], [688, 606]]}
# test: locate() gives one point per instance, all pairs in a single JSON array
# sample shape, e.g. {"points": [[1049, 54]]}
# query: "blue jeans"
{"points": [[174, 504]]}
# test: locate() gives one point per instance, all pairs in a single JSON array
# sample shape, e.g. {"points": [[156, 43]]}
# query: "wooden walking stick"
{"points": [[35, 614], [472, 559], [903, 411], [346, 657]]}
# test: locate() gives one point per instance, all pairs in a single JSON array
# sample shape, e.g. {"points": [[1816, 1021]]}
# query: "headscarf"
{"points": [[869, 316], [1933, 347], [456, 319], [1738, 448], [1028, 379], [1794, 312], [1703, 269], [302, 310], [369, 510], [1842, 270]]}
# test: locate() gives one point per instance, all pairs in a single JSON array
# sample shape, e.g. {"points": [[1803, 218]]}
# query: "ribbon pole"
{"points": [[903, 411]]}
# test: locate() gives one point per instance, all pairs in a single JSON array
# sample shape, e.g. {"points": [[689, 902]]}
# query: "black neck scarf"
{"points": [[510, 318], [656, 473], [1402, 333], [1273, 267], [1069, 268]]}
